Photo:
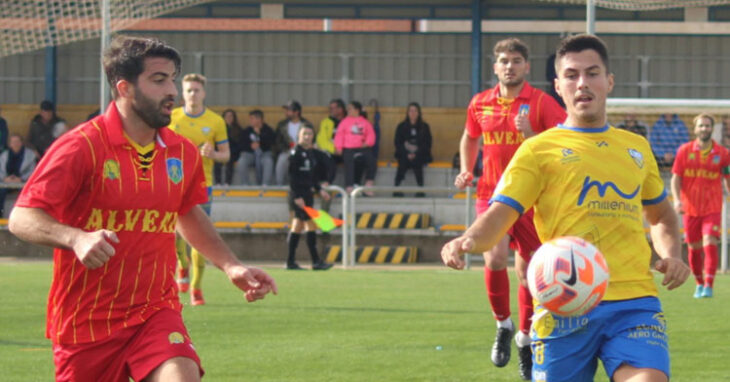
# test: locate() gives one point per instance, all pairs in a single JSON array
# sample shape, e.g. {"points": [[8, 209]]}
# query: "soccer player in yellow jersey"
{"points": [[207, 130], [588, 179]]}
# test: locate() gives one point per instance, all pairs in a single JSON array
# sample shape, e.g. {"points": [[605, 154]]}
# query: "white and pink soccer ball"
{"points": [[568, 276]]}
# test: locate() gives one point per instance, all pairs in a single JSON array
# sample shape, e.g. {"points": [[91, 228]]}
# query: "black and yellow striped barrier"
{"points": [[382, 220], [375, 254]]}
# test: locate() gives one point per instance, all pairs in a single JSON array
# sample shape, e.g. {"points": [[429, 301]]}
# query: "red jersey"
{"points": [[701, 175], [493, 118], [91, 178]]}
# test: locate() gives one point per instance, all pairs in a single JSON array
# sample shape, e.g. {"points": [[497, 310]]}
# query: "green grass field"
{"points": [[351, 325]]}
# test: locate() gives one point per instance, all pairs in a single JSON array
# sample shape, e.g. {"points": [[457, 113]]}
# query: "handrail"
{"points": [[12, 185], [360, 189]]}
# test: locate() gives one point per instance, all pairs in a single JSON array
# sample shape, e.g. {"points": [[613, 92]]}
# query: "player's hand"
{"points": [[675, 272], [254, 282], [678, 207], [522, 123], [324, 194], [464, 179], [206, 150], [452, 252], [299, 202], [93, 249]]}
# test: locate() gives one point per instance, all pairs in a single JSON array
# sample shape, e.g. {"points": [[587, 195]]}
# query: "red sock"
{"points": [[695, 263], [524, 302], [710, 264], [497, 283]]}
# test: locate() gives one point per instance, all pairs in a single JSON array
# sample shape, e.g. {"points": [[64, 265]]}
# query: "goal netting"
{"points": [[646, 5], [31, 25]]}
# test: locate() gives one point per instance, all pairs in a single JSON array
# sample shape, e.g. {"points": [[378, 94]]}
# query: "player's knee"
{"points": [[494, 262], [627, 372], [709, 240], [181, 369]]}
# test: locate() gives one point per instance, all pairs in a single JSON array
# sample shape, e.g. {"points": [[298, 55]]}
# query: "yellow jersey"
{"points": [[591, 183], [204, 127]]}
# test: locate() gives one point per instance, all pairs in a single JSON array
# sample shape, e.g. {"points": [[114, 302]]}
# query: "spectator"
{"points": [[286, 138], [633, 125], [45, 127], [354, 141], [16, 165], [667, 134], [376, 127], [223, 172], [721, 132], [256, 144], [307, 169], [3, 136], [412, 145], [326, 133]]}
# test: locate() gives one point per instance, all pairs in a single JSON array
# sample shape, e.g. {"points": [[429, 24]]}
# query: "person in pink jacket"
{"points": [[354, 140]]}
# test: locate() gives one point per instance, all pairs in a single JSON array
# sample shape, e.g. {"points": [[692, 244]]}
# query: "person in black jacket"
{"points": [[308, 167], [223, 172], [257, 141], [412, 146]]}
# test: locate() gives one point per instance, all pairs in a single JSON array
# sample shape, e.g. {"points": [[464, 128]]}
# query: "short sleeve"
{"points": [[221, 135], [472, 126], [196, 191], [678, 166], [652, 191], [553, 113], [522, 181], [58, 178]]}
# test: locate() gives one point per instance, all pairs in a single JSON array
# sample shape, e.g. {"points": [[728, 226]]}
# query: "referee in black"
{"points": [[308, 169]]}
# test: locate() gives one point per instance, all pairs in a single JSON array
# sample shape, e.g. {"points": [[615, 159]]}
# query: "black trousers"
{"points": [[405, 165], [356, 161]]}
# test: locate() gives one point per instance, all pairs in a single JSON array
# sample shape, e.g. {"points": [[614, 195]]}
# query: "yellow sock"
{"points": [[198, 268], [181, 250]]}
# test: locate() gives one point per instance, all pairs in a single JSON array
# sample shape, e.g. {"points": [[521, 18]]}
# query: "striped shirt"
{"points": [[92, 178]]}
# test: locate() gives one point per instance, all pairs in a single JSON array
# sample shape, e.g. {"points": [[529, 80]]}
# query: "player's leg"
{"points": [[496, 281], [198, 260], [348, 159], [317, 263], [183, 264], [710, 240], [292, 240], [178, 369], [636, 346], [693, 237]]}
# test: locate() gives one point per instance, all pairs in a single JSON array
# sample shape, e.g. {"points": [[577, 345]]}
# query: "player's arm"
{"points": [[468, 151], [36, 226], [481, 236], [199, 232], [676, 186], [222, 152], [665, 237]]}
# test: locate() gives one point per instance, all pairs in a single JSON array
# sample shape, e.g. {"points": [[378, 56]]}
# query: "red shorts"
{"points": [[697, 226], [132, 352], [523, 236]]}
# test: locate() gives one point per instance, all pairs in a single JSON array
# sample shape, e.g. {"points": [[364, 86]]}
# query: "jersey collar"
{"points": [[525, 93], [113, 125], [696, 145], [585, 129]]}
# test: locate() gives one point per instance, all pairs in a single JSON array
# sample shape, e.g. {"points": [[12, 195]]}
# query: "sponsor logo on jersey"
{"points": [[111, 170], [602, 189], [174, 170], [569, 156], [602, 144], [638, 157], [691, 156], [488, 110]]}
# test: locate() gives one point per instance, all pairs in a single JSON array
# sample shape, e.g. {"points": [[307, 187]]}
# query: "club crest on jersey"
{"points": [[206, 130], [569, 156], [174, 170], [716, 159], [176, 338], [691, 156], [637, 157], [111, 169]]}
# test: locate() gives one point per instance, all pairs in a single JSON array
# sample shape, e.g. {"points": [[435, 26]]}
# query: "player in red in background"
{"points": [[699, 171], [503, 117], [109, 195]]}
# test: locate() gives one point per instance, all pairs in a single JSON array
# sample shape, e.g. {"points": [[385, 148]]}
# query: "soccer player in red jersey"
{"points": [[504, 116], [109, 196], [698, 173]]}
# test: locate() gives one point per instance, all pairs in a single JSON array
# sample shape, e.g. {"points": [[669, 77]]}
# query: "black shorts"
{"points": [[298, 212]]}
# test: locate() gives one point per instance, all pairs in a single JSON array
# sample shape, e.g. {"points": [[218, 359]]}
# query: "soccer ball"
{"points": [[568, 276]]}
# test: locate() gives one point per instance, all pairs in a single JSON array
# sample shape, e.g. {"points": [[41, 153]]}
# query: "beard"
{"points": [[705, 137], [149, 111], [513, 82]]}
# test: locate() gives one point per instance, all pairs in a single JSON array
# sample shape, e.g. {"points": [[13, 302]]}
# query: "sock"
{"points": [[524, 303], [711, 259], [497, 283], [312, 244], [522, 339], [196, 280], [181, 250], [293, 241], [695, 263], [506, 324]]}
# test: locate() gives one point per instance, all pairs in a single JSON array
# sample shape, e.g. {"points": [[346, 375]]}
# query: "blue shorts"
{"points": [[616, 332], [207, 205]]}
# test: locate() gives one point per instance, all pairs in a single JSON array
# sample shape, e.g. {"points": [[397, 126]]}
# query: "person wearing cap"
{"points": [[286, 138], [45, 127]]}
